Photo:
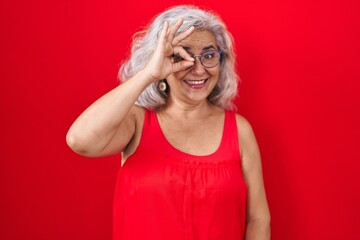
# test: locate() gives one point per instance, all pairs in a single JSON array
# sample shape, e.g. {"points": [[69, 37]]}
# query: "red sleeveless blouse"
{"points": [[165, 194]]}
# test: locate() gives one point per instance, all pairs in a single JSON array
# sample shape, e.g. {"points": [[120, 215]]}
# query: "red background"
{"points": [[299, 62]]}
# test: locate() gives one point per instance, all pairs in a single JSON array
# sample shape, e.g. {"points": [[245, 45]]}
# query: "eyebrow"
{"points": [[205, 48]]}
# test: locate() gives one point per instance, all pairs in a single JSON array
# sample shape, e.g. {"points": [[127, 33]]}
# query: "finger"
{"points": [[183, 65], [176, 27], [164, 31], [182, 36], [185, 55]]}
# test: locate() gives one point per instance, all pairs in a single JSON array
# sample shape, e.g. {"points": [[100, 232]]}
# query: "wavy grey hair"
{"points": [[144, 44]]}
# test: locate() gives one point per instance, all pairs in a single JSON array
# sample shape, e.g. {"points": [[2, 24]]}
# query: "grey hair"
{"points": [[144, 44]]}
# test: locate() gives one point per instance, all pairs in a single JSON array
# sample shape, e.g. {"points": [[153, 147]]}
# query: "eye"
{"points": [[209, 55], [177, 58]]}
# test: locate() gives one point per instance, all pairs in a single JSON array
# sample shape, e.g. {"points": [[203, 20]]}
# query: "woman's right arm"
{"points": [[108, 125]]}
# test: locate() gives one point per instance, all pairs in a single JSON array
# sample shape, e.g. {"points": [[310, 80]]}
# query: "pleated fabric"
{"points": [[165, 194]]}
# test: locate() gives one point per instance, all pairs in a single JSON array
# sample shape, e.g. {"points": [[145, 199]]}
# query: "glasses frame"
{"points": [[200, 56]]}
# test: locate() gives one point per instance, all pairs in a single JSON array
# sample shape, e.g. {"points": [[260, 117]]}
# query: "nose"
{"points": [[197, 68]]}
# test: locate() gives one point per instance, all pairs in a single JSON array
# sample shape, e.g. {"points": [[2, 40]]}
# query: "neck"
{"points": [[188, 110]]}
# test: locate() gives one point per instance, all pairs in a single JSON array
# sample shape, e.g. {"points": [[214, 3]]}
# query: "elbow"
{"points": [[266, 218], [260, 221], [71, 140], [75, 143]]}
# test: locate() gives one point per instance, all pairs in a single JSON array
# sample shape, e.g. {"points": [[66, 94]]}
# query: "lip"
{"points": [[196, 83]]}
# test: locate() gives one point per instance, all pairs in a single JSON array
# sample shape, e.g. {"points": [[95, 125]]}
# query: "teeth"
{"points": [[195, 82]]}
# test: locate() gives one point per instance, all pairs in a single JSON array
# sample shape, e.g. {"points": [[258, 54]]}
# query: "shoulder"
{"points": [[134, 119], [136, 116], [137, 112], [247, 140], [243, 126]]}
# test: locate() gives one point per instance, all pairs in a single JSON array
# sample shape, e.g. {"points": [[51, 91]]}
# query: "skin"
{"points": [[113, 124]]}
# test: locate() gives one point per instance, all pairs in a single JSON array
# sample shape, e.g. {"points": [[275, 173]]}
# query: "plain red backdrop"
{"points": [[299, 64]]}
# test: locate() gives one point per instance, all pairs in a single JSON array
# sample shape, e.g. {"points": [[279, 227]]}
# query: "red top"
{"points": [[165, 194]]}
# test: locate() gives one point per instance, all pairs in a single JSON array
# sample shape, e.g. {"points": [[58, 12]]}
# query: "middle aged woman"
{"points": [[191, 166]]}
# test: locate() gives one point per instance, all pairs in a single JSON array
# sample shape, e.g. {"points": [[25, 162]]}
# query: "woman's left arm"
{"points": [[257, 210]]}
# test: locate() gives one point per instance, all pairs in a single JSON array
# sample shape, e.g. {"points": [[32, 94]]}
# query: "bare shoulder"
{"points": [[244, 127], [247, 141], [136, 116], [137, 113]]}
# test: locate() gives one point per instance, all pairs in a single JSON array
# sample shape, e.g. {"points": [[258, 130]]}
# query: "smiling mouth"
{"points": [[196, 83]]}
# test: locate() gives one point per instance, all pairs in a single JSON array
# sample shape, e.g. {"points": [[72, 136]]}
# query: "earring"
{"points": [[162, 86]]}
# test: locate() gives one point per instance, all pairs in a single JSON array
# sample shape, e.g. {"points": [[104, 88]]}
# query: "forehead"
{"points": [[199, 39]]}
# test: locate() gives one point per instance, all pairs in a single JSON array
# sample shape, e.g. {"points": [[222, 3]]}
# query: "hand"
{"points": [[162, 63]]}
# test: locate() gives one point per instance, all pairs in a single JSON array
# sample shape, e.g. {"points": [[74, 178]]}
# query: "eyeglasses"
{"points": [[208, 59]]}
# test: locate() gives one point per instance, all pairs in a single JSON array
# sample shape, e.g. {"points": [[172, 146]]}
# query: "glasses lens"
{"points": [[210, 58]]}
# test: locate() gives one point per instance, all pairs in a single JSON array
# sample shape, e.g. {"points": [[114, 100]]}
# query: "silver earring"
{"points": [[162, 86]]}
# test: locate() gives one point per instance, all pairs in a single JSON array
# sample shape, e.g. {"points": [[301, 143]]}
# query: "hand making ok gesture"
{"points": [[162, 63]]}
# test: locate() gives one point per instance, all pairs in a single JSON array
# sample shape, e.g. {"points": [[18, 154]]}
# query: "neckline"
{"points": [[189, 155]]}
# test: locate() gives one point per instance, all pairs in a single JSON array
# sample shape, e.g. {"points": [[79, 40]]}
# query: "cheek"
{"points": [[215, 72], [177, 75]]}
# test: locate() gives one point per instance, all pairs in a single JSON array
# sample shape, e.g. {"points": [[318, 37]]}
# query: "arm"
{"points": [[257, 212], [108, 125]]}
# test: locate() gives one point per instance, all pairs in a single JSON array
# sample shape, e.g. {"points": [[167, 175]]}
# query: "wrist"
{"points": [[146, 77], [152, 73]]}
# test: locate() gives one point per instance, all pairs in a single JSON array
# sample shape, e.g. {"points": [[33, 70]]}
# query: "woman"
{"points": [[191, 166]]}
